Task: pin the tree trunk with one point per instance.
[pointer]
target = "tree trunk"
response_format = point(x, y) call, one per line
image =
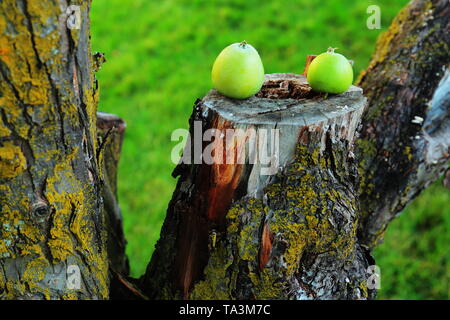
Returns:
point(53, 224)
point(405, 138)
point(239, 231)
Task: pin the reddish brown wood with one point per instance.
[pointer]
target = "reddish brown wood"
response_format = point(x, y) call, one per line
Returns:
point(309, 59)
point(266, 246)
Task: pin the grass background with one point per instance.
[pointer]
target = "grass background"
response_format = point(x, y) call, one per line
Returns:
point(159, 57)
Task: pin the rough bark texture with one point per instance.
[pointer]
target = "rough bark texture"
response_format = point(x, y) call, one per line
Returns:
point(232, 233)
point(285, 238)
point(51, 176)
point(405, 138)
point(303, 233)
point(111, 131)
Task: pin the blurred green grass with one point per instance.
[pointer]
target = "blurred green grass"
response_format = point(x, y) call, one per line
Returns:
point(414, 258)
point(159, 56)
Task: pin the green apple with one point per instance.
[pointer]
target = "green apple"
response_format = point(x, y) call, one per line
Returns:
point(330, 72)
point(238, 71)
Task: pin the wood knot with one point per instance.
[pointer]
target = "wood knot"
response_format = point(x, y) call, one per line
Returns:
point(40, 211)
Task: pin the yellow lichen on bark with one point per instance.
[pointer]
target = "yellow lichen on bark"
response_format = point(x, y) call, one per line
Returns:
point(399, 27)
point(302, 224)
point(12, 160)
point(43, 155)
point(73, 227)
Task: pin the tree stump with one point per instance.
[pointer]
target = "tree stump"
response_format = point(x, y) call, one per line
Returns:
point(110, 133)
point(278, 229)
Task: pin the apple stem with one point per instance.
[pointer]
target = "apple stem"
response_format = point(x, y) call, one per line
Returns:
point(331, 50)
point(243, 44)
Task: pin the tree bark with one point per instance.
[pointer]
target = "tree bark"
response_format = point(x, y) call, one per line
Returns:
point(111, 130)
point(233, 232)
point(52, 220)
point(405, 138)
point(403, 146)
point(304, 232)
